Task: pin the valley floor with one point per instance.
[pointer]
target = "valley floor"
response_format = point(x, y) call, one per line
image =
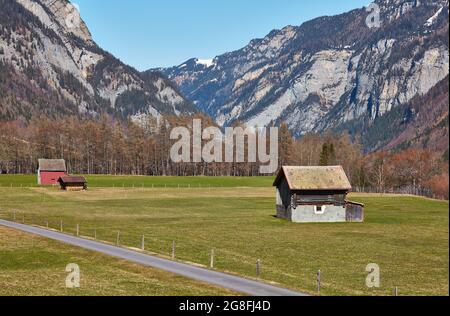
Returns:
point(406, 236)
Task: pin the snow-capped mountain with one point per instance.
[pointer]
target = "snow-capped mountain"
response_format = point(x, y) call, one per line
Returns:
point(328, 72)
point(50, 65)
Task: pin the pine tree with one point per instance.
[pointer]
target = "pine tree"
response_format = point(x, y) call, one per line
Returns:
point(285, 145)
point(331, 154)
point(328, 154)
point(324, 155)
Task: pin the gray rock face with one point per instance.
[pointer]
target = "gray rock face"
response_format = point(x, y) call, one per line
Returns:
point(48, 37)
point(326, 72)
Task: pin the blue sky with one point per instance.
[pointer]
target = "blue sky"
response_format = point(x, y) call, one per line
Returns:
point(149, 33)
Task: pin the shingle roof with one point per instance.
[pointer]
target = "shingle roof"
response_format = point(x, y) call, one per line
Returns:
point(314, 178)
point(72, 180)
point(52, 165)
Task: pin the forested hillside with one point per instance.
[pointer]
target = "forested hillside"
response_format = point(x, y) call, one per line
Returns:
point(420, 123)
point(50, 66)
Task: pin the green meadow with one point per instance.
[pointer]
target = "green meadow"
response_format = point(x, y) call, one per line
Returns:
point(35, 266)
point(406, 236)
point(101, 181)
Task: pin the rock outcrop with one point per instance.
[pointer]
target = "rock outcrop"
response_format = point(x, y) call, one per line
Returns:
point(51, 65)
point(328, 72)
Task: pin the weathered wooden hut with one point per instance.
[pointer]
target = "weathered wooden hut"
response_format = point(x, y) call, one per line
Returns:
point(315, 195)
point(50, 170)
point(72, 183)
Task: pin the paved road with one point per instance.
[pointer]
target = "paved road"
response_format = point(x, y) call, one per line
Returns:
point(227, 281)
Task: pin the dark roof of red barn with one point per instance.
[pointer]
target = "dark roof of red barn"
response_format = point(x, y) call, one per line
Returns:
point(72, 180)
point(52, 165)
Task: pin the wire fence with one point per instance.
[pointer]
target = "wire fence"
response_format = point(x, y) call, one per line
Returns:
point(18, 185)
point(257, 264)
point(124, 186)
point(406, 190)
point(197, 252)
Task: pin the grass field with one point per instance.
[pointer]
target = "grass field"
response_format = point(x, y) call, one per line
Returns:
point(99, 181)
point(30, 265)
point(406, 236)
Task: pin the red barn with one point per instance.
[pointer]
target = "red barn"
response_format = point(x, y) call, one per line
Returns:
point(50, 170)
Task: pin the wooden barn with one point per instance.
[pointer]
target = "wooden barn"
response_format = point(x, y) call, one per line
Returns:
point(315, 195)
point(50, 170)
point(73, 183)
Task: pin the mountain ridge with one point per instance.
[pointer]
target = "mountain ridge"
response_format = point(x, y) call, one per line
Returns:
point(49, 60)
point(326, 72)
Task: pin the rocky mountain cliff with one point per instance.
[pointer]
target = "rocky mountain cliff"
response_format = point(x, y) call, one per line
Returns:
point(420, 123)
point(327, 73)
point(430, 126)
point(50, 65)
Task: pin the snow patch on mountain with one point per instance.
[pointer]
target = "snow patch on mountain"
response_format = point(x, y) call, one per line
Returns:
point(205, 62)
point(433, 19)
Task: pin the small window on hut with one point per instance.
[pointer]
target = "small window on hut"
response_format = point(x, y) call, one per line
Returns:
point(319, 210)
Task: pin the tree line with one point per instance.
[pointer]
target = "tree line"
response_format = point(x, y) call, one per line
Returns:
point(109, 146)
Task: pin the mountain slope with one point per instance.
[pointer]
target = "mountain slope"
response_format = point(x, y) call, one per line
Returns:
point(421, 123)
point(433, 108)
point(50, 65)
point(326, 72)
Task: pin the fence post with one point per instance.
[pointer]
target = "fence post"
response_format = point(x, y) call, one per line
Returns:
point(14, 216)
point(118, 239)
point(211, 265)
point(78, 230)
point(258, 268)
point(143, 243)
point(173, 250)
point(319, 281)
point(61, 227)
point(95, 234)
point(396, 291)
point(46, 224)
